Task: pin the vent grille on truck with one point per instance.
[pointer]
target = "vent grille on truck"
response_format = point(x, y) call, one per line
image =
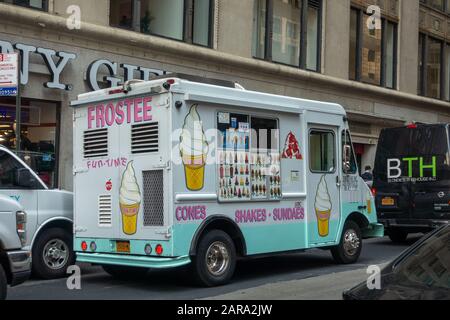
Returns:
point(153, 198)
point(95, 143)
point(145, 138)
point(104, 210)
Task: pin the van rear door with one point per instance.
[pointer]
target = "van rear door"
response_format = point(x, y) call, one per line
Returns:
point(393, 198)
point(431, 187)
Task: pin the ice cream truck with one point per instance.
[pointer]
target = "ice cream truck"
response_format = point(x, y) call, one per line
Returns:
point(184, 170)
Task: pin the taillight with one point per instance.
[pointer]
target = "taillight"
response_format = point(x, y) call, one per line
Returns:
point(374, 191)
point(148, 249)
point(21, 221)
point(412, 126)
point(116, 91)
point(84, 246)
point(93, 246)
point(159, 250)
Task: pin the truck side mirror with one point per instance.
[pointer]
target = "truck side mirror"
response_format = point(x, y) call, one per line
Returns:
point(24, 178)
point(346, 158)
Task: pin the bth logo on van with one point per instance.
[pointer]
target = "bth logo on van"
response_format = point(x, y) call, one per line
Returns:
point(427, 171)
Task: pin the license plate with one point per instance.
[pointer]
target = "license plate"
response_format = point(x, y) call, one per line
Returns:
point(123, 246)
point(387, 201)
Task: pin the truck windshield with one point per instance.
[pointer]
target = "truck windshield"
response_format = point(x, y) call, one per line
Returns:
point(43, 164)
point(428, 265)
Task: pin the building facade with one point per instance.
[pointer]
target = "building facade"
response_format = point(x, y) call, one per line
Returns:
point(386, 61)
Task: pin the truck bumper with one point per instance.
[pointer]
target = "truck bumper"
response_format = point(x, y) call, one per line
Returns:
point(133, 261)
point(413, 224)
point(374, 230)
point(20, 266)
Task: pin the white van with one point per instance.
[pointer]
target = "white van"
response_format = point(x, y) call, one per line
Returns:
point(49, 228)
point(174, 171)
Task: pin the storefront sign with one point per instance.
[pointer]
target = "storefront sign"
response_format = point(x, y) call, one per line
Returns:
point(57, 61)
point(8, 74)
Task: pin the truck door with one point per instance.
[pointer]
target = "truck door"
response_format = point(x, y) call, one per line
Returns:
point(393, 196)
point(146, 147)
point(353, 195)
point(25, 195)
point(324, 208)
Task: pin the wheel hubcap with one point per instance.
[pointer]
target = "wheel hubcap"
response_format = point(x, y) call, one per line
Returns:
point(351, 242)
point(55, 254)
point(217, 258)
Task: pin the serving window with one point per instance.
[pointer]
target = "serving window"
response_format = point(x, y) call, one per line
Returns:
point(248, 158)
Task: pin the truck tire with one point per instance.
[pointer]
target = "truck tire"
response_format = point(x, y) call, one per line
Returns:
point(215, 261)
point(53, 254)
point(350, 246)
point(3, 284)
point(397, 235)
point(125, 273)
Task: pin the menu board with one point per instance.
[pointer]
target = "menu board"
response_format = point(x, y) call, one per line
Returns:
point(234, 166)
point(245, 171)
point(265, 175)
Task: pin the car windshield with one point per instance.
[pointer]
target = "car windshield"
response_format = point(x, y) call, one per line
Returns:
point(429, 264)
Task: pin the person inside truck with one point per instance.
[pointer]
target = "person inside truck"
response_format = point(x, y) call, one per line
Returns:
point(367, 175)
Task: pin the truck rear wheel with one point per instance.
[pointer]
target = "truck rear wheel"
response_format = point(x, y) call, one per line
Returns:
point(125, 273)
point(3, 283)
point(397, 235)
point(350, 246)
point(53, 254)
point(215, 261)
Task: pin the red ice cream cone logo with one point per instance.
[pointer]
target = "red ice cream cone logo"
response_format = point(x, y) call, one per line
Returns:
point(108, 185)
point(292, 148)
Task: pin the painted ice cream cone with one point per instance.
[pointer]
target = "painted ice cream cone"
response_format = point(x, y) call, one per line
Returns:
point(323, 222)
point(194, 170)
point(323, 208)
point(129, 200)
point(193, 150)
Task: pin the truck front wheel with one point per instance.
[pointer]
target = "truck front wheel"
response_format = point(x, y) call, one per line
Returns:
point(3, 283)
point(215, 260)
point(350, 246)
point(53, 253)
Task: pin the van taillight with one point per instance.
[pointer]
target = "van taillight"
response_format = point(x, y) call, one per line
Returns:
point(374, 191)
point(412, 126)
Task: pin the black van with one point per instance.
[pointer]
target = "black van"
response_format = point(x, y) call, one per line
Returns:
point(412, 179)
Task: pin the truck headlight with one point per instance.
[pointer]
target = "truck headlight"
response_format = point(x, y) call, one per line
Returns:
point(21, 221)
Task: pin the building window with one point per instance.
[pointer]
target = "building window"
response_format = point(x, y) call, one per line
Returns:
point(288, 32)
point(184, 20)
point(39, 136)
point(447, 72)
point(373, 52)
point(33, 4)
point(441, 5)
point(432, 65)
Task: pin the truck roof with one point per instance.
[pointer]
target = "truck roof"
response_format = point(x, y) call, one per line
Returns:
point(210, 92)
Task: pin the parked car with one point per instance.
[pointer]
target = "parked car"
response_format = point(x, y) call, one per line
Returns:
point(15, 262)
point(412, 179)
point(421, 273)
point(49, 214)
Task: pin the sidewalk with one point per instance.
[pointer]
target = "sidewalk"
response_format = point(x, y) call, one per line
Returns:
point(326, 287)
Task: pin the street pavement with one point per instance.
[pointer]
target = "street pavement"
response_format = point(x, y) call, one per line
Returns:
point(308, 275)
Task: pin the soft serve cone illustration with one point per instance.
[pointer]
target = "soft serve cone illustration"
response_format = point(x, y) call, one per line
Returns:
point(193, 150)
point(323, 207)
point(130, 200)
